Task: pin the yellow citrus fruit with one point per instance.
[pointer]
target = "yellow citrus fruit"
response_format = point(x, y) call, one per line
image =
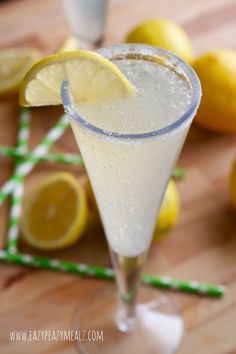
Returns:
point(169, 212)
point(164, 34)
point(14, 64)
point(217, 73)
point(56, 213)
point(69, 44)
point(92, 78)
point(233, 184)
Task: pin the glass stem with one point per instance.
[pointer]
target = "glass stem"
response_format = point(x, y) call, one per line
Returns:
point(128, 271)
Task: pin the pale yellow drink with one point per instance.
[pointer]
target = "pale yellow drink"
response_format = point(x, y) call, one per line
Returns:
point(129, 176)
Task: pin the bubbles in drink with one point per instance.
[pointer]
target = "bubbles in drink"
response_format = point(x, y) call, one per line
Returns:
point(129, 176)
point(160, 94)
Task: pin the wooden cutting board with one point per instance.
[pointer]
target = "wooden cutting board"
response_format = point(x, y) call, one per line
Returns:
point(203, 244)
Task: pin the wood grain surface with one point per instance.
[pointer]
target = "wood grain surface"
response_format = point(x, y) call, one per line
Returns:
point(203, 244)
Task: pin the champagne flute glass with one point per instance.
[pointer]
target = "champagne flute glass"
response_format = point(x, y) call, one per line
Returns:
point(130, 147)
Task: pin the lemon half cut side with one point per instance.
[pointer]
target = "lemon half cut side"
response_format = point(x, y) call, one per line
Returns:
point(56, 213)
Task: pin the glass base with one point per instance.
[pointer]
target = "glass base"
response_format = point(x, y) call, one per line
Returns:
point(158, 329)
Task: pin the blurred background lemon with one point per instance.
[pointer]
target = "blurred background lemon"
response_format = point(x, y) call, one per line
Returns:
point(217, 73)
point(165, 34)
point(232, 183)
point(14, 64)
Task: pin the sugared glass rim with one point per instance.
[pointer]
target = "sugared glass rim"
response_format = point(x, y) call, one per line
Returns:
point(123, 51)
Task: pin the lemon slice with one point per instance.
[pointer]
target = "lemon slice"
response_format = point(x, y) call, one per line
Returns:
point(56, 213)
point(92, 79)
point(14, 64)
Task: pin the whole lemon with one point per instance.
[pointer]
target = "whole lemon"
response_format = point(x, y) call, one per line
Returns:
point(217, 73)
point(164, 34)
point(232, 184)
point(169, 212)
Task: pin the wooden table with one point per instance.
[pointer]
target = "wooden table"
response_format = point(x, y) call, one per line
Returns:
point(203, 244)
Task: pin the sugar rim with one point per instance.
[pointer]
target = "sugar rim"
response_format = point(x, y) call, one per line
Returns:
point(123, 51)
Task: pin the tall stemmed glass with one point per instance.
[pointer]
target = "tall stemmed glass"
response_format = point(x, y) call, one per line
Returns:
point(129, 158)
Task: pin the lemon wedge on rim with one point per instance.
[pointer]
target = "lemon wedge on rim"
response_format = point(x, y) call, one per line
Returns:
point(92, 78)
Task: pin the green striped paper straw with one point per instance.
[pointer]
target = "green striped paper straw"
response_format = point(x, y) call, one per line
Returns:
point(73, 159)
point(23, 169)
point(162, 282)
point(17, 194)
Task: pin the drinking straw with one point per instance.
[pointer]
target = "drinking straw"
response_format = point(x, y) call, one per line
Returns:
point(179, 173)
point(25, 163)
point(73, 159)
point(82, 269)
point(23, 169)
point(17, 194)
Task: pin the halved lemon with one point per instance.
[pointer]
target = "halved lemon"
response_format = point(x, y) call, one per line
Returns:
point(56, 213)
point(14, 64)
point(92, 79)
